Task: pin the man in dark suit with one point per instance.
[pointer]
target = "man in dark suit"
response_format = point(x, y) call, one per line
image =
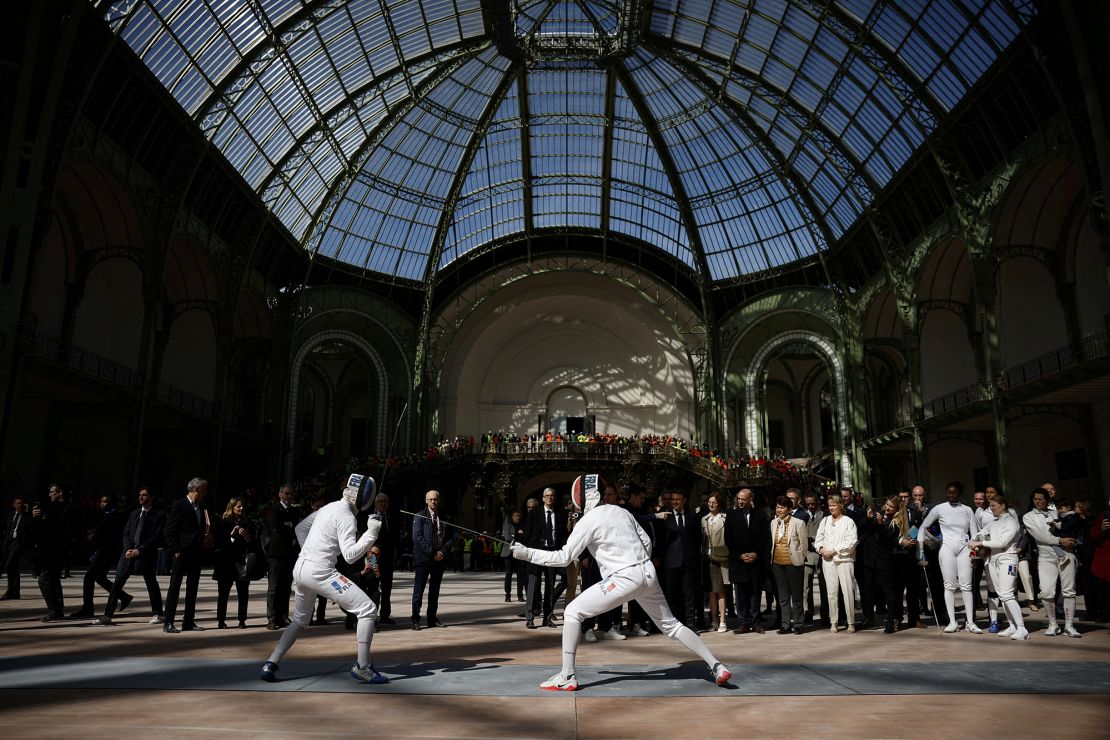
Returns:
point(678, 550)
point(545, 528)
point(105, 541)
point(53, 529)
point(16, 540)
point(142, 536)
point(380, 582)
point(431, 542)
point(281, 552)
point(747, 535)
point(187, 526)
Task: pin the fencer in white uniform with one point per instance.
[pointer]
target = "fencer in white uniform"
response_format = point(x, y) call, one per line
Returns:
point(332, 534)
point(1055, 561)
point(957, 527)
point(622, 551)
point(997, 541)
point(983, 517)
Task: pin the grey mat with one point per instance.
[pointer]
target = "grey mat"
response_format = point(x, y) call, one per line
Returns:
point(493, 679)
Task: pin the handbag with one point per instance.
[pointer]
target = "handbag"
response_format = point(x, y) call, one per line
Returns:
point(252, 568)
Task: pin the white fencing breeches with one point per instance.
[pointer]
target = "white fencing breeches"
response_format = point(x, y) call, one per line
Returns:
point(1052, 567)
point(955, 568)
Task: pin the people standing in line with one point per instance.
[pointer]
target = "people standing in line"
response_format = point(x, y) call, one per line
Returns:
point(17, 540)
point(142, 536)
point(997, 543)
point(237, 544)
point(544, 529)
point(1056, 561)
point(431, 541)
point(957, 527)
point(903, 574)
point(716, 556)
point(105, 542)
point(52, 534)
point(788, 553)
point(813, 567)
point(746, 536)
point(188, 530)
point(836, 544)
point(281, 553)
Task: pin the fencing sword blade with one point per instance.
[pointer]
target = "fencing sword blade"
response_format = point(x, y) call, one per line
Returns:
point(459, 526)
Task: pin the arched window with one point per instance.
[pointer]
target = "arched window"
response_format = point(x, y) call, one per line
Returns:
point(566, 410)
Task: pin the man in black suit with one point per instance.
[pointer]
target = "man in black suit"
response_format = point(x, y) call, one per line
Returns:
point(187, 527)
point(281, 552)
point(382, 565)
point(142, 535)
point(544, 529)
point(53, 534)
point(747, 535)
point(678, 551)
point(16, 540)
point(431, 542)
point(105, 541)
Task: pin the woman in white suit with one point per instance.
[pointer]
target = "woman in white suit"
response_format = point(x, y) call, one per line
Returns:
point(836, 544)
point(788, 557)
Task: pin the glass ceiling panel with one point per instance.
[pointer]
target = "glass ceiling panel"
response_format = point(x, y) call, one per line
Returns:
point(831, 96)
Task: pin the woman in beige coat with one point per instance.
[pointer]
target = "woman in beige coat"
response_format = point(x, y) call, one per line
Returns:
point(788, 557)
point(716, 555)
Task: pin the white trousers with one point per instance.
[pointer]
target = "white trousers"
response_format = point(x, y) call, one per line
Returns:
point(1052, 567)
point(312, 579)
point(1002, 575)
point(955, 567)
point(840, 579)
point(637, 582)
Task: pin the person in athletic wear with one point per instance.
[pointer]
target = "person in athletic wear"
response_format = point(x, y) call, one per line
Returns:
point(957, 527)
point(997, 542)
point(622, 551)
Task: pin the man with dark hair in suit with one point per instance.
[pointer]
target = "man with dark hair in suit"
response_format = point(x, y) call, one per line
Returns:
point(544, 529)
point(52, 533)
point(187, 527)
point(678, 552)
point(380, 577)
point(16, 540)
point(747, 535)
point(431, 541)
point(281, 552)
point(142, 536)
point(105, 542)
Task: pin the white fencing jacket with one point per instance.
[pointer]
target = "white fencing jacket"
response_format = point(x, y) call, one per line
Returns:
point(332, 534)
point(612, 535)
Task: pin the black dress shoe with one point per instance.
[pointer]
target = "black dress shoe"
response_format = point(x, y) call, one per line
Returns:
point(416, 625)
point(273, 626)
point(783, 631)
point(194, 627)
point(890, 629)
point(518, 597)
point(125, 602)
point(758, 629)
point(547, 622)
point(53, 618)
point(530, 624)
point(242, 625)
point(170, 629)
point(436, 623)
point(386, 620)
point(221, 626)
point(508, 598)
point(15, 597)
point(797, 630)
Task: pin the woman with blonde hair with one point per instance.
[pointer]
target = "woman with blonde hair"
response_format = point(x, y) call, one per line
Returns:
point(716, 556)
point(998, 542)
point(236, 538)
point(836, 544)
point(903, 575)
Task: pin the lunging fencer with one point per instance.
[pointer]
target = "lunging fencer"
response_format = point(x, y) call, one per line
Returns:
point(998, 541)
point(957, 527)
point(622, 551)
point(332, 534)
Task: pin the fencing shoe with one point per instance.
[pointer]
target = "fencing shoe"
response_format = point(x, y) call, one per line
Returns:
point(269, 672)
point(559, 682)
point(721, 674)
point(367, 674)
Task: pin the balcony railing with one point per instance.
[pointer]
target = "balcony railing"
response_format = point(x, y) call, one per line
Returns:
point(951, 401)
point(1093, 347)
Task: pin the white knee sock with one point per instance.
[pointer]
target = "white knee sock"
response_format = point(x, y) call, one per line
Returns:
point(572, 633)
point(1050, 611)
point(969, 605)
point(950, 604)
point(687, 637)
point(288, 637)
point(365, 635)
point(1069, 610)
point(1013, 611)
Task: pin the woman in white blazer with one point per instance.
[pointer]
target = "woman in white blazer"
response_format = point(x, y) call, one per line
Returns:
point(788, 558)
point(836, 544)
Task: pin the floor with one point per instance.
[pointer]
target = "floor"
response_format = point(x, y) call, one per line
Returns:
point(479, 677)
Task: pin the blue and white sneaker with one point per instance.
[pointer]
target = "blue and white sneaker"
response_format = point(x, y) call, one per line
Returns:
point(367, 674)
point(269, 672)
point(994, 629)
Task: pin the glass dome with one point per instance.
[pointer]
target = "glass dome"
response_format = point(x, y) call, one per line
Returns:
point(399, 136)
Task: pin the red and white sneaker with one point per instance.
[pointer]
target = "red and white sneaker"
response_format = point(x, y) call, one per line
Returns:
point(721, 674)
point(559, 682)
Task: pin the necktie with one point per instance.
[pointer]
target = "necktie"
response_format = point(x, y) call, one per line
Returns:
point(549, 531)
point(681, 521)
point(15, 525)
point(139, 528)
point(439, 532)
